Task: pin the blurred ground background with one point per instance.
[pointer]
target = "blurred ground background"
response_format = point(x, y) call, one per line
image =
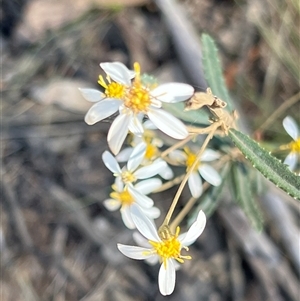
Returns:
point(57, 241)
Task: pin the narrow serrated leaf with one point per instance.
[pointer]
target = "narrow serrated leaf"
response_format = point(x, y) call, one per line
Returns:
point(213, 70)
point(243, 194)
point(258, 182)
point(270, 167)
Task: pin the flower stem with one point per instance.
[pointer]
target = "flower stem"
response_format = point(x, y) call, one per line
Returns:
point(177, 145)
point(213, 127)
point(193, 132)
point(169, 184)
point(186, 209)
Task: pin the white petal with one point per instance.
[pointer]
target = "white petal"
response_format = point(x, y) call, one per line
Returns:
point(167, 278)
point(118, 132)
point(112, 204)
point(209, 155)
point(131, 72)
point(140, 198)
point(148, 186)
point(173, 92)
point(136, 156)
point(126, 217)
point(155, 103)
point(210, 174)
point(119, 183)
point(124, 154)
point(152, 260)
point(145, 226)
point(136, 140)
point(117, 72)
point(136, 127)
point(291, 127)
point(177, 265)
point(178, 156)
point(149, 125)
point(111, 163)
point(195, 184)
point(195, 230)
point(101, 110)
point(150, 170)
point(141, 240)
point(167, 123)
point(158, 142)
point(291, 160)
point(152, 212)
point(167, 173)
point(135, 252)
point(92, 95)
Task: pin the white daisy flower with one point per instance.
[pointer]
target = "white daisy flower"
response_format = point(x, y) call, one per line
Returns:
point(133, 100)
point(206, 171)
point(292, 129)
point(131, 173)
point(165, 246)
point(141, 241)
point(123, 197)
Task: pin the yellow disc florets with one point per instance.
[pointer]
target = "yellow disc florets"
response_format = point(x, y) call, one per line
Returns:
point(124, 197)
point(128, 177)
point(191, 157)
point(151, 149)
point(112, 89)
point(295, 146)
point(137, 97)
point(169, 247)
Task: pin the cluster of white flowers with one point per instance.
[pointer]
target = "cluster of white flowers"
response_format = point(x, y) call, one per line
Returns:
point(141, 168)
point(126, 93)
point(125, 192)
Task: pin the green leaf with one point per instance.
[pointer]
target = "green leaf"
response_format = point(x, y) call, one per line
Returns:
point(258, 182)
point(213, 70)
point(199, 117)
point(269, 166)
point(242, 193)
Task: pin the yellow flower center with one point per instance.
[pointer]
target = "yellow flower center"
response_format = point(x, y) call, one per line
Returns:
point(191, 157)
point(151, 151)
point(137, 97)
point(124, 197)
point(112, 89)
point(169, 247)
point(128, 177)
point(295, 146)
